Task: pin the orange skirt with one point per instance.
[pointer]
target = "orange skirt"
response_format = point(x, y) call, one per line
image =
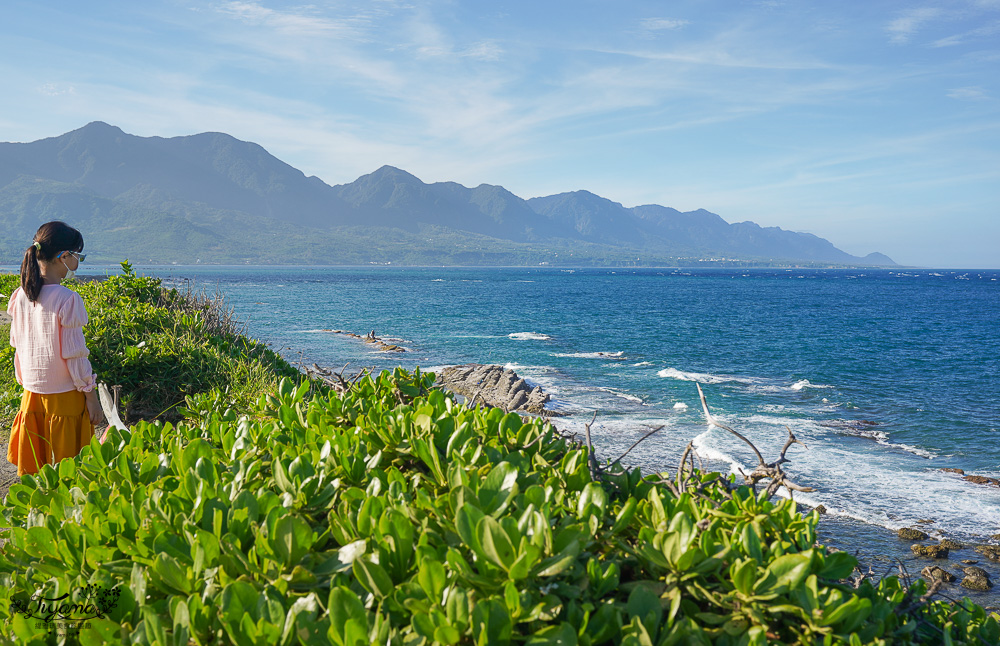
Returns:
point(47, 429)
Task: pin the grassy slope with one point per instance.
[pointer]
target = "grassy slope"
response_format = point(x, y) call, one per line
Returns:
point(391, 514)
point(160, 346)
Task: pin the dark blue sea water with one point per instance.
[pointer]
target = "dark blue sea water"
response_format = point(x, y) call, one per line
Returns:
point(886, 376)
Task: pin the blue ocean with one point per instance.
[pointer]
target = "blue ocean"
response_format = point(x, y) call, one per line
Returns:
point(886, 376)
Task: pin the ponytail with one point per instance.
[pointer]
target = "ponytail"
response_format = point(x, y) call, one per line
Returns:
point(31, 274)
point(51, 239)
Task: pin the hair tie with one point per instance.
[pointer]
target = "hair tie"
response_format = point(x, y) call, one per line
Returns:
point(37, 245)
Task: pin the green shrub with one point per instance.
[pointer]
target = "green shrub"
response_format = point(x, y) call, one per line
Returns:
point(391, 514)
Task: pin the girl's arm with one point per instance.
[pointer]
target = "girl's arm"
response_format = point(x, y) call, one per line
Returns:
point(73, 317)
point(12, 310)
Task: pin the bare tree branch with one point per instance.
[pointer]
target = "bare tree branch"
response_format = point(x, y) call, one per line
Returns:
point(595, 470)
point(618, 459)
point(764, 470)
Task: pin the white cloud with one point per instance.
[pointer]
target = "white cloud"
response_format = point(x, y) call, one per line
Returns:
point(902, 28)
point(54, 89)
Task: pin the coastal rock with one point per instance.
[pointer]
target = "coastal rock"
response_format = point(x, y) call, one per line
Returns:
point(977, 582)
point(494, 386)
point(910, 534)
point(925, 521)
point(370, 338)
point(820, 509)
point(951, 545)
point(975, 571)
point(983, 480)
point(932, 572)
point(930, 551)
point(960, 472)
point(992, 552)
point(969, 561)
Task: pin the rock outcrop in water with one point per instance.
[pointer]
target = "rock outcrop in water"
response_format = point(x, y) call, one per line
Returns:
point(976, 579)
point(371, 338)
point(910, 534)
point(930, 551)
point(932, 572)
point(982, 480)
point(495, 386)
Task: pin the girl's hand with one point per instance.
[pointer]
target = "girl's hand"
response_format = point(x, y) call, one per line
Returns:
point(94, 408)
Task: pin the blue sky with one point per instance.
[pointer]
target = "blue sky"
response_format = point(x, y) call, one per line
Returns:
point(873, 124)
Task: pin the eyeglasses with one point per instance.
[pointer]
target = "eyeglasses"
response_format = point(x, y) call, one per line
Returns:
point(80, 257)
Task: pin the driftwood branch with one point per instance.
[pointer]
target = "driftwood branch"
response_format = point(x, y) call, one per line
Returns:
point(764, 470)
point(336, 380)
point(595, 470)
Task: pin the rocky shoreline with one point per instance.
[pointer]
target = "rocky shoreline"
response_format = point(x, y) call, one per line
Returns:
point(494, 386)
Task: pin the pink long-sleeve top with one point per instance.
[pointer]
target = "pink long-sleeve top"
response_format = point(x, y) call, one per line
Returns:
point(51, 353)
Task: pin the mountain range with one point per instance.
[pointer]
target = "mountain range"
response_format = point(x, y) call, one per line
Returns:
point(212, 198)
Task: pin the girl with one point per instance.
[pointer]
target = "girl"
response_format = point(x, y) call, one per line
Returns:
point(59, 406)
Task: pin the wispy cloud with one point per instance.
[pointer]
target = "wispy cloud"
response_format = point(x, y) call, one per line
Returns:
point(905, 26)
point(304, 21)
point(990, 29)
point(484, 51)
point(662, 24)
point(971, 93)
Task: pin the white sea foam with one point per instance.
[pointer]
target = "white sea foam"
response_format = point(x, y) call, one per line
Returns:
point(704, 448)
point(680, 406)
point(623, 395)
point(529, 336)
point(437, 280)
point(700, 377)
point(804, 383)
point(641, 364)
point(589, 355)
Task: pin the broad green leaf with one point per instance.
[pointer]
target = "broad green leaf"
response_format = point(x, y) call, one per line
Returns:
point(495, 543)
point(593, 494)
point(372, 576)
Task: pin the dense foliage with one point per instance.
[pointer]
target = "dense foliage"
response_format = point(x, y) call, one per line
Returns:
point(391, 514)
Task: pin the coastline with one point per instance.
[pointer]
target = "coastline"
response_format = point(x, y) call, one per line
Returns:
point(874, 544)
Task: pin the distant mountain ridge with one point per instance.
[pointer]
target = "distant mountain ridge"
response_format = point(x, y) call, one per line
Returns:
point(213, 198)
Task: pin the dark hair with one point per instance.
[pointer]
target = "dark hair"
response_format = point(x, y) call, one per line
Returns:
point(51, 239)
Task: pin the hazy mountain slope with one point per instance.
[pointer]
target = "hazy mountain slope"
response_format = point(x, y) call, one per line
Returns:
point(218, 199)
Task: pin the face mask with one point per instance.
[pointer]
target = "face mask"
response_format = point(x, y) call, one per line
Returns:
point(70, 274)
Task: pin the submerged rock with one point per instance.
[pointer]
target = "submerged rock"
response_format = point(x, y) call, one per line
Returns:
point(932, 572)
point(992, 552)
point(494, 386)
point(930, 551)
point(911, 534)
point(951, 545)
point(960, 472)
point(983, 480)
point(975, 571)
point(977, 582)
